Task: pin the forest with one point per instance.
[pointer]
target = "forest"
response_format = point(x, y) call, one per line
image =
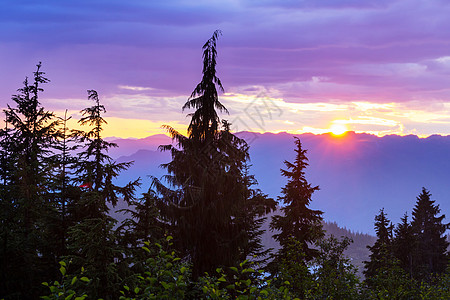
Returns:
point(196, 232)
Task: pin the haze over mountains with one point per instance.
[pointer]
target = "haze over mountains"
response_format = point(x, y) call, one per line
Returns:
point(358, 174)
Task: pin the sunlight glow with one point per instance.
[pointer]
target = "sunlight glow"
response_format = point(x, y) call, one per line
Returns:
point(139, 115)
point(127, 128)
point(338, 129)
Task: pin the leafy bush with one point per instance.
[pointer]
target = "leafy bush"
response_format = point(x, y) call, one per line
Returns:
point(68, 286)
point(165, 276)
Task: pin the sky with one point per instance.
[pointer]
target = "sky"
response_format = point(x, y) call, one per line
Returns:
point(381, 67)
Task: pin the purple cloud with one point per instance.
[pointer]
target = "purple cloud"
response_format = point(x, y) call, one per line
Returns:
point(376, 51)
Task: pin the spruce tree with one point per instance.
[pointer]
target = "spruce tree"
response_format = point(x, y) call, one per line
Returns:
point(63, 191)
point(403, 245)
point(7, 217)
point(430, 254)
point(297, 221)
point(26, 203)
point(334, 275)
point(209, 205)
point(381, 256)
point(93, 242)
point(204, 99)
point(144, 224)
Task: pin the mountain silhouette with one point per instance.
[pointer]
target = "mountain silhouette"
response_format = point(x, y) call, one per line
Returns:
point(358, 174)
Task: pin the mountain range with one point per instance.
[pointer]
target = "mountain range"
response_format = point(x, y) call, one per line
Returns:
point(358, 173)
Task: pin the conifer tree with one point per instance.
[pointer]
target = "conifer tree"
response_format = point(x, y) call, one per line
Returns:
point(5, 153)
point(26, 203)
point(430, 254)
point(381, 256)
point(403, 245)
point(204, 99)
point(63, 192)
point(297, 221)
point(92, 240)
point(144, 224)
point(209, 185)
point(7, 217)
point(335, 276)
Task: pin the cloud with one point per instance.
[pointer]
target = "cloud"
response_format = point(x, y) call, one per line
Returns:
point(300, 52)
point(135, 88)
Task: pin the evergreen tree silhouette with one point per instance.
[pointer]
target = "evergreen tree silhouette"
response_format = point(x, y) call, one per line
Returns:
point(209, 185)
point(430, 255)
point(204, 99)
point(403, 245)
point(381, 256)
point(93, 242)
point(63, 191)
point(297, 221)
point(142, 225)
point(26, 202)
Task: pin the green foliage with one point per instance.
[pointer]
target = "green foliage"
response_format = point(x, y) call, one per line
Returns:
point(389, 282)
point(92, 244)
point(438, 289)
point(330, 276)
point(334, 277)
point(164, 275)
point(241, 282)
point(294, 269)
point(68, 288)
point(392, 282)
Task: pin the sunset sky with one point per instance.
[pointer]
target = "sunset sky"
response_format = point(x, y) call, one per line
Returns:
point(379, 66)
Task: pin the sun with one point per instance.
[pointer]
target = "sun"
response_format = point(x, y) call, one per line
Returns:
point(338, 129)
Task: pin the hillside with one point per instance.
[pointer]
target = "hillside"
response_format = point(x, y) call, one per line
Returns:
point(357, 250)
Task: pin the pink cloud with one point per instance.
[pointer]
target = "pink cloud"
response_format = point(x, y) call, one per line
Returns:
point(379, 51)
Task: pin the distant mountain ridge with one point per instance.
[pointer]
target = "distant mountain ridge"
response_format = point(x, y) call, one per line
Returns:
point(358, 174)
point(128, 147)
point(357, 251)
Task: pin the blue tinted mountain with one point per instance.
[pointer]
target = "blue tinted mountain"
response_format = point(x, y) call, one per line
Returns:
point(358, 174)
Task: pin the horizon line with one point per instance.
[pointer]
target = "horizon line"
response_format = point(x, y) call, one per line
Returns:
point(349, 132)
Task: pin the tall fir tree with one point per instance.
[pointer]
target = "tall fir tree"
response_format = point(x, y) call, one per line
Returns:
point(8, 277)
point(381, 256)
point(209, 184)
point(27, 205)
point(93, 242)
point(144, 223)
point(63, 191)
point(204, 99)
point(297, 221)
point(430, 252)
point(403, 245)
